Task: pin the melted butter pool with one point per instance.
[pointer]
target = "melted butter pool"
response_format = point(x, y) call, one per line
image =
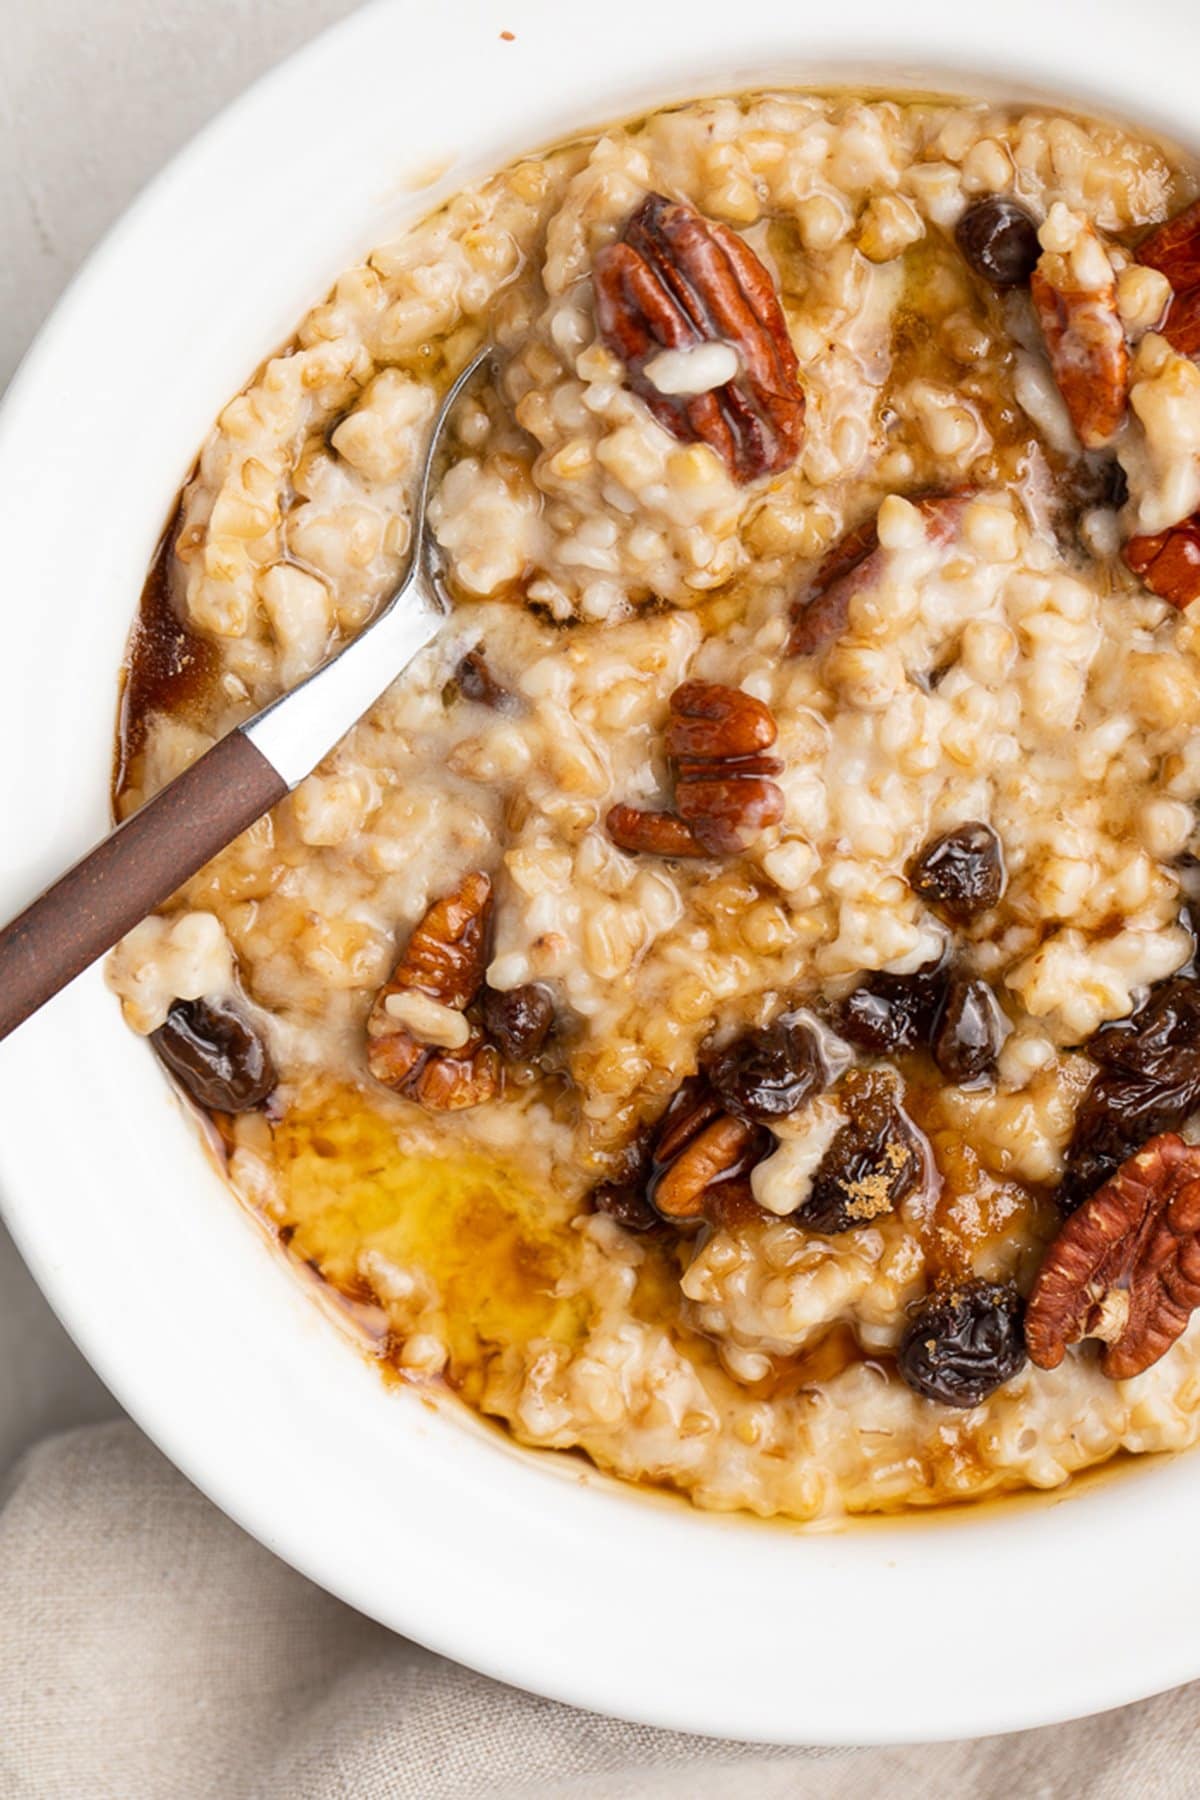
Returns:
point(495, 1249)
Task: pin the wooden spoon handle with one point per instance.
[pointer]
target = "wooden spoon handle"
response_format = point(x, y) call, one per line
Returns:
point(134, 870)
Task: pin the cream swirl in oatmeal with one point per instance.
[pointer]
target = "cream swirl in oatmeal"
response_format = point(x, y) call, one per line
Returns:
point(740, 967)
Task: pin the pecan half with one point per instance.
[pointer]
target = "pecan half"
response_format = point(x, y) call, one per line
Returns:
point(727, 805)
point(724, 793)
point(679, 1169)
point(655, 833)
point(1086, 344)
point(1169, 561)
point(692, 1107)
point(419, 1040)
point(1174, 250)
point(715, 1154)
point(450, 1081)
point(675, 281)
point(696, 1148)
point(1125, 1267)
point(1182, 326)
point(821, 613)
point(717, 723)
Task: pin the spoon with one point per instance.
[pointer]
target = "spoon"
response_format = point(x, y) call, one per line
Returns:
point(164, 843)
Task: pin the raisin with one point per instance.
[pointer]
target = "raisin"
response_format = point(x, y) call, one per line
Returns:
point(473, 679)
point(216, 1055)
point(966, 1340)
point(892, 1012)
point(961, 873)
point(1161, 1042)
point(519, 1020)
point(999, 240)
point(1115, 491)
point(970, 1031)
point(767, 1074)
point(874, 1162)
point(1149, 1082)
point(623, 1195)
point(627, 1204)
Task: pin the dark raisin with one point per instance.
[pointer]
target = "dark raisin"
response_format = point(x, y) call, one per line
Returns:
point(892, 1012)
point(627, 1205)
point(1161, 1042)
point(215, 1053)
point(999, 240)
point(965, 1341)
point(623, 1196)
point(519, 1020)
point(1115, 491)
point(1109, 1127)
point(970, 1031)
point(875, 1160)
point(765, 1075)
point(961, 873)
point(1149, 1082)
point(474, 681)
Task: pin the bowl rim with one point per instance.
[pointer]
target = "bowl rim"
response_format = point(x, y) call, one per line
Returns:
point(521, 1567)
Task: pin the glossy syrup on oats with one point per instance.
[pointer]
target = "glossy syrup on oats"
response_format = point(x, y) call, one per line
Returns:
point(930, 603)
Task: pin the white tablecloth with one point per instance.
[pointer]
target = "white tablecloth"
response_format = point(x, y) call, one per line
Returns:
point(148, 1649)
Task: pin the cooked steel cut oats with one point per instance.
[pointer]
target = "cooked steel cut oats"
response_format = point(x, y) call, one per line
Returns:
point(750, 953)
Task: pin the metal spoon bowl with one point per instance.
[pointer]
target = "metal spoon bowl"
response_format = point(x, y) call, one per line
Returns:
point(163, 844)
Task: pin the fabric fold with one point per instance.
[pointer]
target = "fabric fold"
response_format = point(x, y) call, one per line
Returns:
point(151, 1650)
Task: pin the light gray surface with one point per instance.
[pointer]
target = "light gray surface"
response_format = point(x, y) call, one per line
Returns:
point(95, 95)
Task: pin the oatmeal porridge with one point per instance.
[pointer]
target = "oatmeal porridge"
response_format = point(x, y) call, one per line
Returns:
point(732, 1008)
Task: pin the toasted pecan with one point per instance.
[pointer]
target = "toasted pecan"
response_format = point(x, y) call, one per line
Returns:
point(696, 1150)
point(713, 1155)
point(1085, 341)
point(1174, 250)
point(1125, 1267)
point(447, 952)
point(443, 961)
point(717, 723)
point(681, 1169)
point(675, 281)
point(1181, 328)
point(727, 805)
point(1168, 562)
point(725, 796)
point(651, 833)
point(821, 613)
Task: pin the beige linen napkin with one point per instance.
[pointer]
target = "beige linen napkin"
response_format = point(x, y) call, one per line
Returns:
point(150, 1650)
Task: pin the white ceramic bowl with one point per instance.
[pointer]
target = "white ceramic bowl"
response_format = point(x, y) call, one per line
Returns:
point(529, 1568)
